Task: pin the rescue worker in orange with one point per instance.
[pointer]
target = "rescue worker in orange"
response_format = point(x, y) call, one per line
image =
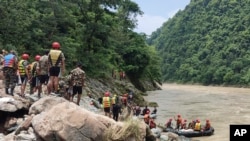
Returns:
point(197, 126)
point(10, 65)
point(152, 124)
point(178, 121)
point(147, 117)
point(106, 102)
point(207, 125)
point(56, 61)
point(169, 123)
point(125, 99)
point(23, 72)
point(184, 124)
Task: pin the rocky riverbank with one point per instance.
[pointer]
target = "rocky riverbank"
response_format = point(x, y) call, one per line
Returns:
point(31, 118)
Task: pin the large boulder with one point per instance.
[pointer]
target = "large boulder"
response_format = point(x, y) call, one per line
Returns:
point(11, 104)
point(45, 104)
point(67, 121)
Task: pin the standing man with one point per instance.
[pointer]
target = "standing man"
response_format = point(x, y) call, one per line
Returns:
point(56, 61)
point(23, 72)
point(35, 84)
point(44, 70)
point(77, 79)
point(9, 70)
point(106, 102)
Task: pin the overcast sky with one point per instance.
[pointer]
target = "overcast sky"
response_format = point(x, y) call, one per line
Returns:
point(156, 12)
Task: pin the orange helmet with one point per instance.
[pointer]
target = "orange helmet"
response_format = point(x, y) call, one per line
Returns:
point(56, 45)
point(106, 93)
point(25, 56)
point(37, 57)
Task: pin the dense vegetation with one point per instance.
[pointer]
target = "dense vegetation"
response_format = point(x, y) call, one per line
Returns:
point(98, 33)
point(207, 42)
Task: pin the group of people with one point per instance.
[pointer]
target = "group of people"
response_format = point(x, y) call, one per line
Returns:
point(111, 104)
point(46, 69)
point(182, 124)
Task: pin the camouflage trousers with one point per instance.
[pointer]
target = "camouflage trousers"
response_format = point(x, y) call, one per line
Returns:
point(10, 77)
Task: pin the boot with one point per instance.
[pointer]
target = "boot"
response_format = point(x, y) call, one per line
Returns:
point(12, 91)
point(7, 90)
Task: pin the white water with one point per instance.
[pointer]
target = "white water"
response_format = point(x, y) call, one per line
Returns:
point(221, 105)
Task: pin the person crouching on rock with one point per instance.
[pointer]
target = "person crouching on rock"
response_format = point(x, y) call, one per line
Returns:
point(106, 102)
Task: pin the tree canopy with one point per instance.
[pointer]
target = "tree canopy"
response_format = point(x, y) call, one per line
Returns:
point(99, 33)
point(208, 42)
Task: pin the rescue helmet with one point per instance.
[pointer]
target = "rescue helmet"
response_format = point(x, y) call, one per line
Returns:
point(56, 45)
point(25, 56)
point(37, 57)
point(106, 93)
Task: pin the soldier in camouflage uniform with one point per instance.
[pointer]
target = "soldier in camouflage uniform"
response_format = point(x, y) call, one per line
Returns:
point(77, 81)
point(9, 71)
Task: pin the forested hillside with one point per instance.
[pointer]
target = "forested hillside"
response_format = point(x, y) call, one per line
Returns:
point(98, 33)
point(208, 42)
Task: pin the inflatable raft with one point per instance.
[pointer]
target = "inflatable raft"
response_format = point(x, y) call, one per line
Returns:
point(190, 132)
point(153, 116)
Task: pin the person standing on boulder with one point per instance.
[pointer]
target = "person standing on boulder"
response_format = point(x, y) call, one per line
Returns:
point(56, 61)
point(35, 72)
point(23, 72)
point(106, 102)
point(116, 110)
point(44, 70)
point(77, 81)
point(9, 70)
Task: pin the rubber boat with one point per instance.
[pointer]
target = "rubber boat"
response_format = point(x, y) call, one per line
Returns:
point(153, 116)
point(190, 132)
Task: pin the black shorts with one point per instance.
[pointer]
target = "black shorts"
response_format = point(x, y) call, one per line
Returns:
point(54, 71)
point(35, 82)
point(44, 79)
point(107, 110)
point(24, 79)
point(77, 90)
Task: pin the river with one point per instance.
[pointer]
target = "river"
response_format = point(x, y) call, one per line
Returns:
point(221, 105)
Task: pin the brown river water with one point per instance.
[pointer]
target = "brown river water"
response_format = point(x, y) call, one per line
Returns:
point(221, 105)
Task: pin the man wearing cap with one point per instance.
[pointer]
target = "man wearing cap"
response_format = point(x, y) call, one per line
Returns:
point(77, 81)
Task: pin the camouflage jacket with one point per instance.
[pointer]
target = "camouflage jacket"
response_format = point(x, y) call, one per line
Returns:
point(77, 77)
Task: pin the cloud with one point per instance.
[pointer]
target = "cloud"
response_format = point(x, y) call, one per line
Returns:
point(149, 23)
